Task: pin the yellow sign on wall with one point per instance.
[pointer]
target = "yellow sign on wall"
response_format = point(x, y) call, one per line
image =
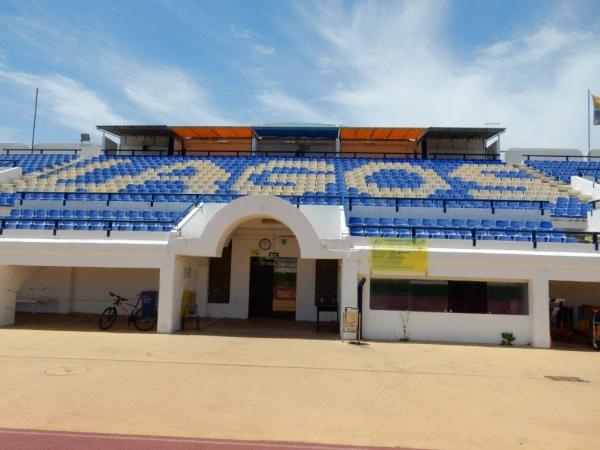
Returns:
point(399, 256)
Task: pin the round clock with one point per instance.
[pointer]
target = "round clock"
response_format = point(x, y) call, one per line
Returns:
point(264, 244)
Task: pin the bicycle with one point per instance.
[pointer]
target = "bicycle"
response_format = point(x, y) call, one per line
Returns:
point(135, 314)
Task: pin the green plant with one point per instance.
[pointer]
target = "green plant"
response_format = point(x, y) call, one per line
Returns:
point(508, 338)
point(405, 319)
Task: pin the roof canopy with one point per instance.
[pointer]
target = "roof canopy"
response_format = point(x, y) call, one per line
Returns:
point(303, 131)
point(207, 132)
point(463, 133)
point(296, 132)
point(136, 130)
point(377, 133)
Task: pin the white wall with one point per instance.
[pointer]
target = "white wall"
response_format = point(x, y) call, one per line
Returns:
point(9, 174)
point(445, 327)
point(586, 187)
point(84, 289)
point(11, 278)
point(576, 293)
point(458, 146)
point(206, 232)
point(494, 263)
point(516, 155)
point(243, 247)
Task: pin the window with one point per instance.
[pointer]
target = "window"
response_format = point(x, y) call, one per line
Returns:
point(467, 297)
point(414, 295)
point(429, 296)
point(219, 277)
point(507, 298)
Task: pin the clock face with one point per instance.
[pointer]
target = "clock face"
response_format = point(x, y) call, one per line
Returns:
point(264, 244)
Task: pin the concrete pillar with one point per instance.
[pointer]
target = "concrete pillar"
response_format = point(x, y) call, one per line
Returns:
point(337, 145)
point(11, 278)
point(171, 286)
point(166, 290)
point(305, 292)
point(348, 290)
point(539, 310)
point(202, 286)
point(254, 144)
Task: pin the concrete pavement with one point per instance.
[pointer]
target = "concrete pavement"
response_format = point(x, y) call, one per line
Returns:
point(298, 390)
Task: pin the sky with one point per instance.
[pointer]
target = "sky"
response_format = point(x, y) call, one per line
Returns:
point(525, 65)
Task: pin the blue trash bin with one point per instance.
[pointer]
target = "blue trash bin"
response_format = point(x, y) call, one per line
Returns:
point(149, 301)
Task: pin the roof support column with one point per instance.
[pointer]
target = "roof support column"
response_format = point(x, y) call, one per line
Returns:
point(539, 309)
point(254, 144)
point(348, 291)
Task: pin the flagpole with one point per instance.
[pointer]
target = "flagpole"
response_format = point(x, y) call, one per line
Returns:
point(34, 119)
point(588, 108)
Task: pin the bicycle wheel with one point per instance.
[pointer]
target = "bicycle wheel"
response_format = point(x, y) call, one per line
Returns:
point(141, 323)
point(107, 318)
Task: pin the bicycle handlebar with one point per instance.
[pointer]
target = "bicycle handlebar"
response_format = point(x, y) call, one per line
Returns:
point(118, 297)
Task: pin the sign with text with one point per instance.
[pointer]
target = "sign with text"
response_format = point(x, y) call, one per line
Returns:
point(284, 284)
point(350, 320)
point(399, 256)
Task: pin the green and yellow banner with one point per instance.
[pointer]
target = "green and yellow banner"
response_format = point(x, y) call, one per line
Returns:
point(395, 256)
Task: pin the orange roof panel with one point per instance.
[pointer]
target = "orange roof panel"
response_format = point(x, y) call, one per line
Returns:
point(378, 133)
point(213, 132)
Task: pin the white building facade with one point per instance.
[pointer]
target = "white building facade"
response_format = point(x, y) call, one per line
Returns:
point(75, 269)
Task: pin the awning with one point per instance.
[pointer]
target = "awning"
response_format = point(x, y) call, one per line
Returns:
point(296, 132)
point(463, 132)
point(136, 130)
point(378, 133)
point(211, 132)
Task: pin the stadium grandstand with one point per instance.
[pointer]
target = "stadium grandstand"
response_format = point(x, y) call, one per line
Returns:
point(424, 233)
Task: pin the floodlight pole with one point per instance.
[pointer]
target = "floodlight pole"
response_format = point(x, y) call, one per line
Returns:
point(589, 96)
point(34, 119)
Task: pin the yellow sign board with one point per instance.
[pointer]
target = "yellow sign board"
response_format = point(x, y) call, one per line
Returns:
point(399, 256)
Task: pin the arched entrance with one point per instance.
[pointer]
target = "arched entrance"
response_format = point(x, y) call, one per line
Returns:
point(263, 261)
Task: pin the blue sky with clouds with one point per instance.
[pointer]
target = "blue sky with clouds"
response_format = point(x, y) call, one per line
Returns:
point(525, 64)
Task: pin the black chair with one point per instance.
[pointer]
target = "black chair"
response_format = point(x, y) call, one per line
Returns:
point(327, 304)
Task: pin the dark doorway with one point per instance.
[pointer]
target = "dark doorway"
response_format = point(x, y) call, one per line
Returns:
point(467, 297)
point(326, 280)
point(261, 287)
point(272, 287)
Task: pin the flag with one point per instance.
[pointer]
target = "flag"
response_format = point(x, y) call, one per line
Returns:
point(596, 103)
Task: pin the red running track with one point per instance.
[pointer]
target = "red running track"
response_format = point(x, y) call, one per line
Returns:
point(62, 440)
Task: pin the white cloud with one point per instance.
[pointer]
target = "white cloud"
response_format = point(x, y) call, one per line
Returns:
point(64, 100)
point(389, 71)
point(167, 95)
point(263, 49)
point(280, 104)
point(240, 34)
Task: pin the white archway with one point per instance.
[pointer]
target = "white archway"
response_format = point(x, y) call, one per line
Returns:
point(225, 221)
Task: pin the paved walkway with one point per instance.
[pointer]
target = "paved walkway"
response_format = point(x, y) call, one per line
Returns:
point(298, 390)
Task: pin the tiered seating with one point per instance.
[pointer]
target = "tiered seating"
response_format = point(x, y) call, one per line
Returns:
point(182, 175)
point(34, 163)
point(92, 219)
point(485, 229)
point(564, 170)
point(453, 180)
point(401, 183)
point(309, 177)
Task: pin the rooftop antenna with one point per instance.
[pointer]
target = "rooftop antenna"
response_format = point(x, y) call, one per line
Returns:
point(34, 119)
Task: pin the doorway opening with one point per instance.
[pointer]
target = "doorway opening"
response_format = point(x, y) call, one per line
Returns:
point(272, 287)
